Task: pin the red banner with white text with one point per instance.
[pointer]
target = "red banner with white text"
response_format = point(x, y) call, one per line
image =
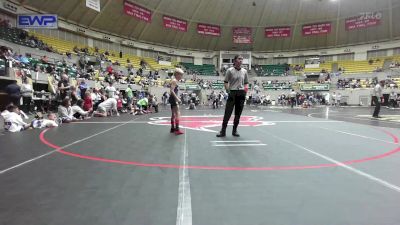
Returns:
point(137, 11)
point(277, 32)
point(317, 29)
point(210, 30)
point(242, 35)
point(363, 21)
point(175, 23)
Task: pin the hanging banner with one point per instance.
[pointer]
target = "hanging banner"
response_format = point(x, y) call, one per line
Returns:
point(93, 4)
point(175, 23)
point(210, 30)
point(219, 84)
point(364, 20)
point(242, 35)
point(315, 87)
point(277, 32)
point(189, 87)
point(317, 29)
point(137, 11)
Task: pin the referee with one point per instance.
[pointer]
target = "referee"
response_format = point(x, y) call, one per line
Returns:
point(377, 98)
point(236, 84)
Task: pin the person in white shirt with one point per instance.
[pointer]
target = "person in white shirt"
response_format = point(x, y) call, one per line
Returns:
point(65, 111)
point(214, 99)
point(108, 106)
point(377, 98)
point(27, 93)
point(327, 98)
point(292, 98)
point(268, 99)
point(256, 89)
point(393, 98)
point(12, 119)
point(338, 98)
point(96, 98)
point(110, 90)
point(51, 121)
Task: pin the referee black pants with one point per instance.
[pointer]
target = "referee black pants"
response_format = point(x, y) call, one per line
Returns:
point(377, 102)
point(235, 100)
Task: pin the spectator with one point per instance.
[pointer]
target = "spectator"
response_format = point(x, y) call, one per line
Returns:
point(78, 112)
point(153, 103)
point(12, 119)
point(108, 107)
point(370, 62)
point(88, 101)
point(44, 59)
point(23, 35)
point(110, 90)
point(129, 96)
point(109, 69)
point(120, 103)
point(64, 87)
point(14, 93)
point(338, 99)
point(76, 49)
point(142, 105)
point(74, 95)
point(27, 93)
point(51, 121)
point(23, 59)
point(393, 99)
point(83, 88)
point(65, 111)
point(96, 97)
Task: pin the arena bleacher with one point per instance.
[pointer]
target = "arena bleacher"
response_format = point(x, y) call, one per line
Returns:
point(205, 69)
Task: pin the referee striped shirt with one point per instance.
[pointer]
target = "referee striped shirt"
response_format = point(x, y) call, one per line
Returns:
point(236, 78)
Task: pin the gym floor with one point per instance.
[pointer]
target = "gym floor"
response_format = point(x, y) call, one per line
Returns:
point(328, 165)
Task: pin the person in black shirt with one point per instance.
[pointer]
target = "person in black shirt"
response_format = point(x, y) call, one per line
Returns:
point(63, 87)
point(14, 93)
